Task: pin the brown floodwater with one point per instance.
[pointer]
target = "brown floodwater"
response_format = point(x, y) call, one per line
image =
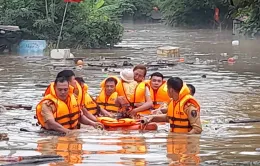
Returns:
point(229, 92)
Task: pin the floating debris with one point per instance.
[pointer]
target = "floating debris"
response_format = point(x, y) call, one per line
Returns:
point(76, 58)
point(16, 106)
point(127, 63)
point(114, 70)
point(127, 58)
point(29, 160)
point(169, 51)
point(103, 65)
point(4, 137)
point(245, 121)
point(167, 62)
point(231, 60)
point(42, 85)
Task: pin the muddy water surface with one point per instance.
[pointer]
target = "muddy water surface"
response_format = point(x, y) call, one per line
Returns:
point(229, 91)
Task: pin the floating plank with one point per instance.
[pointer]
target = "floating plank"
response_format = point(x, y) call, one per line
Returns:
point(102, 65)
point(15, 106)
point(76, 58)
point(42, 85)
point(127, 58)
point(245, 121)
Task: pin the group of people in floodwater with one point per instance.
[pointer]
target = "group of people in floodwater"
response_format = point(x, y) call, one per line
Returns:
point(67, 104)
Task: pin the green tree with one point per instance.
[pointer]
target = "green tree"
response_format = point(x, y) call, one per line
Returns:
point(249, 12)
point(87, 25)
point(196, 13)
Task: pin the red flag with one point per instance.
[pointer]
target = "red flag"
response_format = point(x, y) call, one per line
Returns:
point(73, 0)
point(216, 16)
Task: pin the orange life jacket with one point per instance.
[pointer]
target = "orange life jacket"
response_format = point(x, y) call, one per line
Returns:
point(90, 104)
point(84, 91)
point(177, 117)
point(102, 84)
point(159, 96)
point(107, 103)
point(111, 122)
point(80, 95)
point(137, 98)
point(50, 89)
point(66, 114)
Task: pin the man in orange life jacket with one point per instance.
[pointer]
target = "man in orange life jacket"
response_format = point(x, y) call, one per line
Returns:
point(107, 97)
point(89, 104)
point(183, 112)
point(158, 90)
point(59, 110)
point(74, 87)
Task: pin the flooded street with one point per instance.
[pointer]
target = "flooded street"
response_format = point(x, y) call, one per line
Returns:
point(229, 92)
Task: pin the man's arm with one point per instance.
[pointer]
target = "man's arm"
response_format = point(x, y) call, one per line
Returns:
point(47, 114)
point(89, 115)
point(194, 118)
point(156, 118)
point(51, 124)
point(84, 120)
point(105, 112)
point(159, 118)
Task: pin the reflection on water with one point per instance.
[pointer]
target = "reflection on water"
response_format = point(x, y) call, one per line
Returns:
point(68, 147)
point(229, 91)
point(183, 150)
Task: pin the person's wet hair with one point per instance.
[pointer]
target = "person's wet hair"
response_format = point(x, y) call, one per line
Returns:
point(79, 80)
point(141, 67)
point(192, 89)
point(66, 73)
point(175, 83)
point(111, 79)
point(60, 79)
point(157, 74)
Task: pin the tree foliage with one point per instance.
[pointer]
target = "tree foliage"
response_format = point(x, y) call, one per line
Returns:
point(249, 12)
point(192, 12)
point(88, 24)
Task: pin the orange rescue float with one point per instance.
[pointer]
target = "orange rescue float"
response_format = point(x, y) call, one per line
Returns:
point(112, 124)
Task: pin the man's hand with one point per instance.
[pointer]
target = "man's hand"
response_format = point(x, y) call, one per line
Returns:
point(108, 114)
point(97, 125)
point(132, 112)
point(156, 111)
point(105, 113)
